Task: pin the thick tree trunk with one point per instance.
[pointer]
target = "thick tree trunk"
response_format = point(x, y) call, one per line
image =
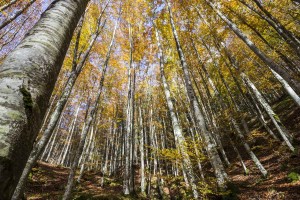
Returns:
point(39, 147)
point(27, 78)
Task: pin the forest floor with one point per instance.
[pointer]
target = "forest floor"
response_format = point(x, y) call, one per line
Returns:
point(48, 181)
point(275, 157)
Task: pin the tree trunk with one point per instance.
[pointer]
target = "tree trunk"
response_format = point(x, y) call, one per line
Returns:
point(294, 83)
point(248, 149)
point(39, 147)
point(213, 156)
point(17, 14)
point(86, 154)
point(49, 152)
point(91, 114)
point(27, 79)
point(8, 5)
point(143, 189)
point(275, 119)
point(246, 171)
point(187, 165)
point(287, 88)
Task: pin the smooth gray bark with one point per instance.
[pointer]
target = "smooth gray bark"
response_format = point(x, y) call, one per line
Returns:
point(27, 78)
point(142, 159)
point(287, 88)
point(261, 117)
point(128, 183)
point(59, 107)
point(71, 132)
point(49, 151)
point(86, 154)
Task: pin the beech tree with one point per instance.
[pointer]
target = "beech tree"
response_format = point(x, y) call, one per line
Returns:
point(26, 90)
point(195, 107)
point(160, 99)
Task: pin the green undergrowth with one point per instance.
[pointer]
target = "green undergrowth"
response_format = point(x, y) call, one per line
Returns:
point(293, 177)
point(293, 174)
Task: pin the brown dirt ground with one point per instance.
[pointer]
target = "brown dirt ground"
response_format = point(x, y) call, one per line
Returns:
point(277, 160)
point(48, 181)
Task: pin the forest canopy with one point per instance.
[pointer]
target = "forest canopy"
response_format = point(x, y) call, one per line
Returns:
point(163, 99)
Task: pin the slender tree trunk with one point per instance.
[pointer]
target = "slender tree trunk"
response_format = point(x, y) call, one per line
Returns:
point(246, 171)
point(261, 117)
point(68, 146)
point(187, 165)
point(17, 14)
point(259, 112)
point(8, 5)
point(133, 137)
point(142, 150)
point(128, 184)
point(287, 88)
point(52, 142)
point(105, 160)
point(86, 154)
point(197, 154)
point(88, 121)
point(248, 149)
point(294, 83)
point(275, 119)
point(214, 158)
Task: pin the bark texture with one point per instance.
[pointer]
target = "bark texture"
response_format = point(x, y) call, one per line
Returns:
point(27, 79)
